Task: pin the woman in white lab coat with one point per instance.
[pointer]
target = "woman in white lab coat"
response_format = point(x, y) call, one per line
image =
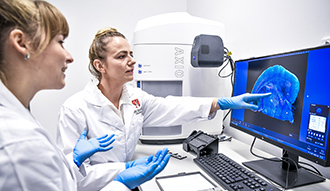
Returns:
point(110, 104)
point(32, 58)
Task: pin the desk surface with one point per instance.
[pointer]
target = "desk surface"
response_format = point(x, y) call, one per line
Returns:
point(235, 149)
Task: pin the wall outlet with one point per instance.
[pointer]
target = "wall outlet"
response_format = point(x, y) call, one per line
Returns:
point(325, 40)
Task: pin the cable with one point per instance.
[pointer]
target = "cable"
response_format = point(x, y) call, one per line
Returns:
point(288, 171)
point(227, 60)
point(283, 159)
point(315, 169)
point(226, 76)
point(223, 121)
point(225, 139)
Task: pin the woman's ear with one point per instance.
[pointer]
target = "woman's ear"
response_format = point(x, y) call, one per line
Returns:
point(19, 41)
point(98, 64)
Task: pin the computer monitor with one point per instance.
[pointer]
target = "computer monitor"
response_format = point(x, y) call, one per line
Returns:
point(296, 115)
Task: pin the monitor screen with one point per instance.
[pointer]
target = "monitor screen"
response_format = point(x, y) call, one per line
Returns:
point(296, 115)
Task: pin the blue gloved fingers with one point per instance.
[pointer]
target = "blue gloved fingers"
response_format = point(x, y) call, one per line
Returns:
point(155, 158)
point(102, 149)
point(150, 158)
point(148, 170)
point(83, 135)
point(160, 155)
point(249, 106)
point(251, 97)
point(137, 175)
point(161, 159)
point(241, 101)
point(140, 161)
point(161, 165)
point(102, 137)
point(86, 148)
point(105, 143)
point(105, 138)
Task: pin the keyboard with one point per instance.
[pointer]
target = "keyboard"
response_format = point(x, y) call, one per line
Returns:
point(231, 175)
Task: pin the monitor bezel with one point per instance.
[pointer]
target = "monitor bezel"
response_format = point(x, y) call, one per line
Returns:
point(326, 162)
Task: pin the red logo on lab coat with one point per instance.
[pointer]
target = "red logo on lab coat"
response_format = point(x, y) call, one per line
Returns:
point(136, 103)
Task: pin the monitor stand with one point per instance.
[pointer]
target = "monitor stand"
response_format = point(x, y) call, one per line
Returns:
point(277, 172)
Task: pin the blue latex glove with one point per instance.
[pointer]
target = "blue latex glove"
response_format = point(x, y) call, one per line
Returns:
point(140, 161)
point(161, 158)
point(86, 148)
point(240, 102)
point(138, 174)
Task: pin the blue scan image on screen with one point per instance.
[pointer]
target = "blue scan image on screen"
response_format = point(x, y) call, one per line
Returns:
point(284, 87)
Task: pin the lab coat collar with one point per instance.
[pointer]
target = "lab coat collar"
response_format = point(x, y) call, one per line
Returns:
point(91, 92)
point(126, 94)
point(9, 100)
point(94, 95)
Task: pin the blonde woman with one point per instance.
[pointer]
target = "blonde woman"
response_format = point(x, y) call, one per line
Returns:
point(33, 58)
point(110, 104)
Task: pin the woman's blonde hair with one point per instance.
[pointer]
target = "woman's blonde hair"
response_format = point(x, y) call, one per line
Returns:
point(38, 19)
point(98, 48)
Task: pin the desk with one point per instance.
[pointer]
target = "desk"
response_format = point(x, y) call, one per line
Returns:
point(235, 149)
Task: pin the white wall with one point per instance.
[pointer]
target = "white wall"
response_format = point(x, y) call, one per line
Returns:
point(85, 18)
point(259, 27)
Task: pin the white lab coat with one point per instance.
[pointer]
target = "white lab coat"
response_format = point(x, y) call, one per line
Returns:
point(30, 160)
point(90, 109)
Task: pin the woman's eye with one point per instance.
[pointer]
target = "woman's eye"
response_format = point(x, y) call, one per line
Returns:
point(122, 56)
point(61, 42)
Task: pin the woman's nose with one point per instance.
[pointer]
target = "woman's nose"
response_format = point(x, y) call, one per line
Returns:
point(69, 58)
point(132, 62)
